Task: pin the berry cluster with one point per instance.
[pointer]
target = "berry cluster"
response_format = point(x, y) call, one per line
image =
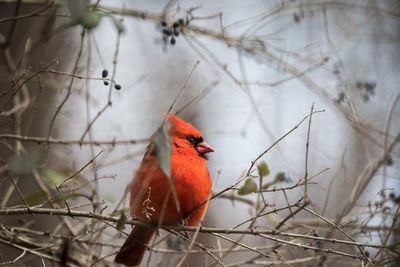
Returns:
point(367, 89)
point(170, 33)
point(104, 74)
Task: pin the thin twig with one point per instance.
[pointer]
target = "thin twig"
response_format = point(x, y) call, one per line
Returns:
point(80, 170)
point(292, 214)
point(307, 148)
point(60, 141)
point(28, 15)
point(102, 217)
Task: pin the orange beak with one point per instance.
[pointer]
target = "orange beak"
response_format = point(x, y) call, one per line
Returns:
point(204, 148)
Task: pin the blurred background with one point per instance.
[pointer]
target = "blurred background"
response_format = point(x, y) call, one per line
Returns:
point(252, 73)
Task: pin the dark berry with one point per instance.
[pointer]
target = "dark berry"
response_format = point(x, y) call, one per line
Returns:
point(117, 86)
point(106, 83)
point(173, 40)
point(178, 23)
point(370, 87)
point(389, 160)
point(163, 23)
point(176, 32)
point(104, 73)
point(340, 97)
point(167, 31)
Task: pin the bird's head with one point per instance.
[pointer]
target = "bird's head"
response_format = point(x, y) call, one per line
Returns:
point(186, 137)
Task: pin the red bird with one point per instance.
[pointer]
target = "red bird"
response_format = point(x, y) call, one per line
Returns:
point(151, 197)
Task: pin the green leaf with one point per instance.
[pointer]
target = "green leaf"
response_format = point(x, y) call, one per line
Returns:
point(91, 20)
point(36, 198)
point(80, 14)
point(263, 169)
point(279, 177)
point(163, 145)
point(78, 10)
point(249, 187)
point(52, 177)
point(24, 163)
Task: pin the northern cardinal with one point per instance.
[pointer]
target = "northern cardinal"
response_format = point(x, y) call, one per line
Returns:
point(151, 199)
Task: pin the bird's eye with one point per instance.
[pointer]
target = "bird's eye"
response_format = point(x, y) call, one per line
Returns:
point(192, 140)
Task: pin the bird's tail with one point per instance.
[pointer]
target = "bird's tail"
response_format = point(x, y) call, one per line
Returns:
point(132, 251)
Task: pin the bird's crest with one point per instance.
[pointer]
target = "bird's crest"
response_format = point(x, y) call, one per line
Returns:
point(180, 128)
